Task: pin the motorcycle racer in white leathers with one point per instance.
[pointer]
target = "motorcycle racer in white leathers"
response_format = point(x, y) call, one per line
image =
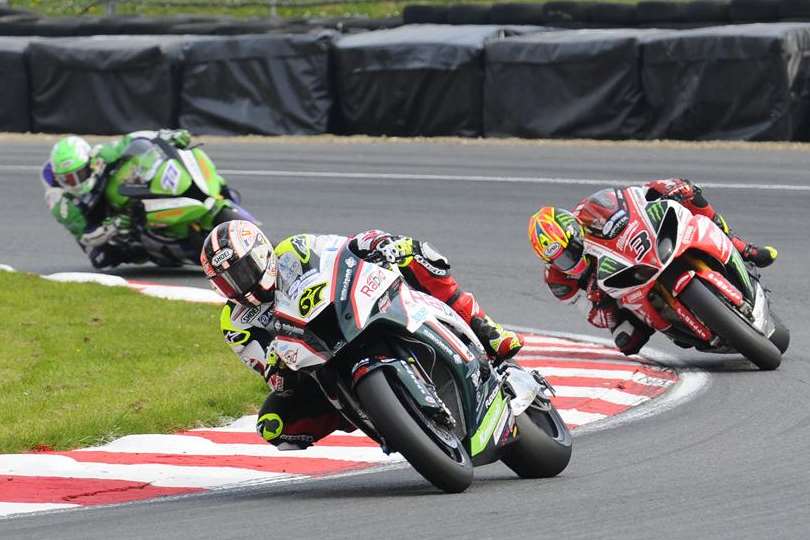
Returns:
point(243, 266)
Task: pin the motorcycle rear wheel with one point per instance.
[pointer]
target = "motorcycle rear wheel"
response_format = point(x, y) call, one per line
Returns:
point(781, 334)
point(404, 430)
point(730, 326)
point(544, 445)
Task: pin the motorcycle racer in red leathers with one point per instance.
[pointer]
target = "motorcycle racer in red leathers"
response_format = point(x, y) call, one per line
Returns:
point(242, 265)
point(558, 238)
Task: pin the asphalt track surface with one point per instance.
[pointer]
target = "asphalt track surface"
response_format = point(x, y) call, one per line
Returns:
point(731, 463)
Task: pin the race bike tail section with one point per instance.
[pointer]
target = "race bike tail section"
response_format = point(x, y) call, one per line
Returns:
point(408, 371)
point(681, 275)
point(175, 197)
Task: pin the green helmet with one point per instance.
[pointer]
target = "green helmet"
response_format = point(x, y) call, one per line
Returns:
point(70, 159)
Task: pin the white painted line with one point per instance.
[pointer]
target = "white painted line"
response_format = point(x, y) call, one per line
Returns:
point(245, 424)
point(579, 418)
point(611, 395)
point(457, 178)
point(184, 444)
point(87, 277)
point(609, 353)
point(173, 292)
point(582, 362)
point(499, 179)
point(8, 509)
point(619, 375)
point(155, 474)
point(549, 340)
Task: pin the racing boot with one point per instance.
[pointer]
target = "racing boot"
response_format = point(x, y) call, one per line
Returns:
point(760, 256)
point(501, 344)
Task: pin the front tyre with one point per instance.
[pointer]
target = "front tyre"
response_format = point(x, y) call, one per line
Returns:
point(730, 326)
point(543, 448)
point(406, 430)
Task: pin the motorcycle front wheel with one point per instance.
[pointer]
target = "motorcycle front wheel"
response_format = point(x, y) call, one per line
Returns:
point(731, 327)
point(434, 451)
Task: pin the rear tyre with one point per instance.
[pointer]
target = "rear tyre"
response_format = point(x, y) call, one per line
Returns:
point(406, 431)
point(730, 326)
point(543, 448)
point(781, 334)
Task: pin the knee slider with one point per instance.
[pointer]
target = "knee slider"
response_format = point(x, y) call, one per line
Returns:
point(269, 426)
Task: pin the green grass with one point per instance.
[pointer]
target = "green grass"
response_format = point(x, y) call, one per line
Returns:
point(372, 9)
point(82, 364)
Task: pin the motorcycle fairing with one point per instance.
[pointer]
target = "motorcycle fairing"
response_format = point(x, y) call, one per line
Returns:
point(365, 296)
point(658, 233)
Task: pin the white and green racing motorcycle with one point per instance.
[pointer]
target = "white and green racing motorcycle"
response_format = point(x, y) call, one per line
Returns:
point(409, 372)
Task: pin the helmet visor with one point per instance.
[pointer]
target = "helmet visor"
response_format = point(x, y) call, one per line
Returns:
point(570, 257)
point(239, 278)
point(72, 180)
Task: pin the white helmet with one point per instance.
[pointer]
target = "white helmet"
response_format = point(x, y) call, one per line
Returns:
point(240, 263)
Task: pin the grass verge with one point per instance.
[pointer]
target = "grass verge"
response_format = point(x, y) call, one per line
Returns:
point(83, 364)
point(373, 8)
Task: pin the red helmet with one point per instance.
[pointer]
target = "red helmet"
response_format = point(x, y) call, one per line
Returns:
point(558, 239)
point(240, 263)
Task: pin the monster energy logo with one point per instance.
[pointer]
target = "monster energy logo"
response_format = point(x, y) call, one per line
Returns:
point(608, 267)
point(564, 219)
point(737, 262)
point(655, 212)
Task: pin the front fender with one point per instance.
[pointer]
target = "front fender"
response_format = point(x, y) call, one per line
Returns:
point(424, 396)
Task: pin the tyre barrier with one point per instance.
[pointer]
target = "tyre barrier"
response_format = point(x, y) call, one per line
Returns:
point(421, 80)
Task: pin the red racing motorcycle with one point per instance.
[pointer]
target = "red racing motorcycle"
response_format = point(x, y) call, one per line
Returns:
point(680, 274)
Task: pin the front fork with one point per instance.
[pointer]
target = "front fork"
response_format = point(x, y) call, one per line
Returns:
point(699, 269)
point(410, 375)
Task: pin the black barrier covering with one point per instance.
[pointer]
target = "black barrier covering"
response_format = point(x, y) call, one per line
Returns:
point(14, 106)
point(421, 14)
point(575, 83)
point(532, 14)
point(265, 84)
point(612, 14)
point(745, 11)
point(414, 80)
point(104, 85)
point(729, 82)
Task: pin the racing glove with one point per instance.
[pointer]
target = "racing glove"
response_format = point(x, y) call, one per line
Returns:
point(393, 250)
point(181, 138)
point(113, 230)
point(122, 224)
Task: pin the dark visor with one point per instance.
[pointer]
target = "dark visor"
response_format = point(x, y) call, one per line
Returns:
point(239, 279)
point(570, 256)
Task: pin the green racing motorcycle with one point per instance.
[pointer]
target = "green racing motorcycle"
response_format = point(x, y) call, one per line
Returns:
point(174, 198)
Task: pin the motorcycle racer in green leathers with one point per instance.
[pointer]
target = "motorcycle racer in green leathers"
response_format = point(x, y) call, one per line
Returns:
point(144, 196)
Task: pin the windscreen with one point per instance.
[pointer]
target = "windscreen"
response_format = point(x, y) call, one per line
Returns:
point(604, 213)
